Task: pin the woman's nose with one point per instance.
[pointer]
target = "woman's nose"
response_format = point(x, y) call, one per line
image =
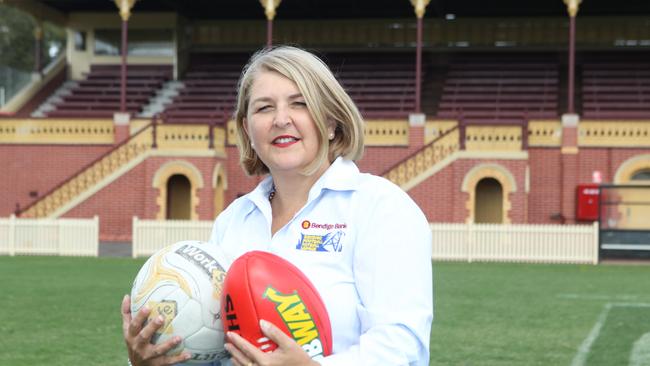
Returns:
point(282, 117)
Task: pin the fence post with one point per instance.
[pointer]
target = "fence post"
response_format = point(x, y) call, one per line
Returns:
point(134, 235)
point(59, 236)
point(470, 241)
point(596, 243)
point(96, 234)
point(12, 235)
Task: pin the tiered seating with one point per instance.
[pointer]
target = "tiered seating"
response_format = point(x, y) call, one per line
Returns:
point(209, 91)
point(99, 94)
point(616, 90)
point(381, 85)
point(500, 90)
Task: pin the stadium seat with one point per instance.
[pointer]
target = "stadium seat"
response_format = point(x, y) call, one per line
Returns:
point(488, 89)
point(98, 95)
point(614, 89)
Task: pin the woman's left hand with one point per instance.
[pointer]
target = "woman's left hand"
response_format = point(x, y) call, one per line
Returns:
point(288, 353)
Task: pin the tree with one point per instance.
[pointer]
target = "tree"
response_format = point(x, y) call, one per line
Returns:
point(16, 39)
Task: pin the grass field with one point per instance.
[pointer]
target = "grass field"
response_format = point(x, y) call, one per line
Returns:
point(65, 311)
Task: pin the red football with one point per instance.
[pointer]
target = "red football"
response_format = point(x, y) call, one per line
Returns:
point(261, 285)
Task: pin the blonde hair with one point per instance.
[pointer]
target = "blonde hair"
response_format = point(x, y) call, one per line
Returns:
point(326, 101)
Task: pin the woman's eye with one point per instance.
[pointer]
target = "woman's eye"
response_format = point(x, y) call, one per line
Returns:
point(300, 103)
point(263, 108)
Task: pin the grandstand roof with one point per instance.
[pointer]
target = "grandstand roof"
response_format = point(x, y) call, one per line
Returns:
point(302, 9)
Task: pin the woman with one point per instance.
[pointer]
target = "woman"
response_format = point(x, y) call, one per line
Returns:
point(361, 240)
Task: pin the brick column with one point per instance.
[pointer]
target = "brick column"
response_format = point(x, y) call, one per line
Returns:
point(416, 130)
point(121, 127)
point(569, 167)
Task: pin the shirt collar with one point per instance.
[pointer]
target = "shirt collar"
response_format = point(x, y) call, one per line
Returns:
point(342, 175)
point(259, 197)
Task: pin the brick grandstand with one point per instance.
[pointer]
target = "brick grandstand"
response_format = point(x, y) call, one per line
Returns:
point(499, 72)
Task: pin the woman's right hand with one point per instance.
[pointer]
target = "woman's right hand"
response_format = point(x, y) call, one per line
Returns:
point(138, 339)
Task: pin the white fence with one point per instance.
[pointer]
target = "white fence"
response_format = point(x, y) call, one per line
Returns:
point(451, 242)
point(151, 235)
point(516, 243)
point(69, 237)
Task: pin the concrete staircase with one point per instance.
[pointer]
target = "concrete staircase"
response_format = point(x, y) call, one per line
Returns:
point(57, 97)
point(426, 161)
point(163, 97)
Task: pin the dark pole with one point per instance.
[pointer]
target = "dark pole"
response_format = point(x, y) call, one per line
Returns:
point(38, 41)
point(154, 137)
point(269, 11)
point(418, 66)
point(211, 135)
point(572, 61)
point(123, 81)
point(420, 8)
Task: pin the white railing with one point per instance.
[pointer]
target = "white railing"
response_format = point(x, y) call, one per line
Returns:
point(151, 235)
point(515, 243)
point(69, 237)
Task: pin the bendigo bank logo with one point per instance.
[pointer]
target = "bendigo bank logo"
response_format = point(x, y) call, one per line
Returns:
point(298, 320)
point(329, 242)
point(306, 224)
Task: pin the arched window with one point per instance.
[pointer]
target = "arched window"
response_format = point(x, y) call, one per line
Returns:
point(179, 198)
point(641, 175)
point(489, 202)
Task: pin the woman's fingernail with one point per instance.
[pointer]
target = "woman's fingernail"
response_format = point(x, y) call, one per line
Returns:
point(264, 325)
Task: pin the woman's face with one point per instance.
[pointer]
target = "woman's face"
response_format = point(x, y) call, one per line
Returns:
point(279, 125)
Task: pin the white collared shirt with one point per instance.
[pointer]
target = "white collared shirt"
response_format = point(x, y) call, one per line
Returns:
point(366, 247)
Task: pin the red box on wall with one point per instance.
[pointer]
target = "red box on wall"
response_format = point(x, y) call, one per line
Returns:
point(587, 205)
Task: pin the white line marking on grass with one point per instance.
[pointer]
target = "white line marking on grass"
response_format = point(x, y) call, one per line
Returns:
point(621, 297)
point(584, 349)
point(580, 357)
point(640, 354)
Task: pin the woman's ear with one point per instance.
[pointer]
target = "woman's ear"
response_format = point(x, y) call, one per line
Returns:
point(331, 129)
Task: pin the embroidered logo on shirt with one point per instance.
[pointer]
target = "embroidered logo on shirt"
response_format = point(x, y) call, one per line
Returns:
point(330, 242)
point(321, 237)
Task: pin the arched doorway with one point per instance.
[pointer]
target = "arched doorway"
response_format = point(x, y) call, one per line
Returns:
point(163, 182)
point(488, 187)
point(218, 196)
point(489, 202)
point(220, 185)
point(179, 198)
